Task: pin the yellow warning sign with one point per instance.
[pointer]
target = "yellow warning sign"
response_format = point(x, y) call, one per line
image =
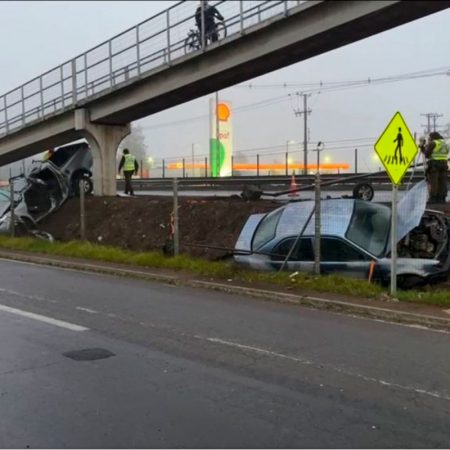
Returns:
point(396, 148)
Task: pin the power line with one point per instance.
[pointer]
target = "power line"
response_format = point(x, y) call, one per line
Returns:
point(321, 87)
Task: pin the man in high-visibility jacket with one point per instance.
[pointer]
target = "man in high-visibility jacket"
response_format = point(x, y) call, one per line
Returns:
point(129, 165)
point(436, 152)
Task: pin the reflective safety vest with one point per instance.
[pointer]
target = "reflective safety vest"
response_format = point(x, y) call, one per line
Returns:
point(128, 165)
point(440, 150)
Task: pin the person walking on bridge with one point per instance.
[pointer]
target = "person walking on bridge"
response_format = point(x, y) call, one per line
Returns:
point(436, 152)
point(129, 165)
point(210, 13)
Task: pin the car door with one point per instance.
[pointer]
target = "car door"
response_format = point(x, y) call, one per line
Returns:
point(339, 257)
point(302, 256)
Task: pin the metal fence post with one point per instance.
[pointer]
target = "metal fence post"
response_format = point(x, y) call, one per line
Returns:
point(12, 219)
point(82, 210)
point(232, 165)
point(138, 51)
point(110, 62)
point(257, 165)
point(85, 75)
point(6, 114)
point(287, 163)
point(206, 167)
point(241, 15)
point(23, 105)
point(356, 160)
point(61, 71)
point(176, 231)
point(168, 35)
point(74, 81)
point(317, 226)
point(142, 168)
point(41, 91)
point(202, 5)
point(184, 168)
point(163, 168)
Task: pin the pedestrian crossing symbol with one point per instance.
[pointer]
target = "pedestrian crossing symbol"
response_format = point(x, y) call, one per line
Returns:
point(396, 148)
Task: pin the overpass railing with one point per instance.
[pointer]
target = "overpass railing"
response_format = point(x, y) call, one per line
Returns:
point(155, 43)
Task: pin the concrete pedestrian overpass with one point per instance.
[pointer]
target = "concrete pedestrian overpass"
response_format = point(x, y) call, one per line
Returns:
point(145, 69)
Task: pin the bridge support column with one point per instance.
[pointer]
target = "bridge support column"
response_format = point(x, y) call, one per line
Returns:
point(104, 141)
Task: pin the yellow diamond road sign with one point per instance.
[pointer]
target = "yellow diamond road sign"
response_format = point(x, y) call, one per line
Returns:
point(396, 148)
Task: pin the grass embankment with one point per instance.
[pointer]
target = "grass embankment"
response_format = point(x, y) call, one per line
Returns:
point(219, 270)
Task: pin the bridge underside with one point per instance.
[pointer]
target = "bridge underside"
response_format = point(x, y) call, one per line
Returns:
point(311, 29)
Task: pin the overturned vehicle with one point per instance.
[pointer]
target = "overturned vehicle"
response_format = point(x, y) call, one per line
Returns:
point(355, 236)
point(47, 186)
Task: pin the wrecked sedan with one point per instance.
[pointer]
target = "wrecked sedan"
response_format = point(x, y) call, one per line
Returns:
point(47, 186)
point(353, 234)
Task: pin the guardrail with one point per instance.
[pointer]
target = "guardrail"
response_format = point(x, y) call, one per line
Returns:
point(156, 42)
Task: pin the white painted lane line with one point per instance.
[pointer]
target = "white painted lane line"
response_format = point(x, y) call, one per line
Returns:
point(30, 297)
point(411, 389)
point(88, 310)
point(39, 317)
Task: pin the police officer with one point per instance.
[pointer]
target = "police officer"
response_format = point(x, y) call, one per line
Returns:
point(436, 152)
point(130, 165)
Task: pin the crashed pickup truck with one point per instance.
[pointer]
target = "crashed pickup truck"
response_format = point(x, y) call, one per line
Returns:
point(355, 234)
point(47, 186)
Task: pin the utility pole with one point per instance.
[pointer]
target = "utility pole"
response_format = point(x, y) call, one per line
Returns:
point(305, 113)
point(431, 117)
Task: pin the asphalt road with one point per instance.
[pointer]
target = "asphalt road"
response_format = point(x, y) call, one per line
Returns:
point(200, 369)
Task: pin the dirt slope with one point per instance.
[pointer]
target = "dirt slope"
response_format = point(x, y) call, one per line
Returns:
point(143, 223)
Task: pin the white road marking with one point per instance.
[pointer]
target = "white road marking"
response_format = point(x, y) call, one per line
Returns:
point(39, 317)
point(434, 394)
point(30, 297)
point(90, 311)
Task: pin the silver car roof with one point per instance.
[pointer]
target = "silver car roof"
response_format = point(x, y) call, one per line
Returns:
point(335, 217)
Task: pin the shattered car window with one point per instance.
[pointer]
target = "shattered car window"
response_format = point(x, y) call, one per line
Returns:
point(369, 227)
point(266, 230)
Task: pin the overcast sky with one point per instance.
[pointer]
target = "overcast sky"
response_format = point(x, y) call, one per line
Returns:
point(39, 35)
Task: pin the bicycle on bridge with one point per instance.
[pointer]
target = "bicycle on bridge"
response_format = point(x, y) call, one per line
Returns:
point(193, 42)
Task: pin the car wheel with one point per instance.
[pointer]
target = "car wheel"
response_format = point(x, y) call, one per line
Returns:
point(363, 191)
point(410, 281)
point(88, 186)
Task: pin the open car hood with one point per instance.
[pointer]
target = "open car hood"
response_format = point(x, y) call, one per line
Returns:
point(410, 210)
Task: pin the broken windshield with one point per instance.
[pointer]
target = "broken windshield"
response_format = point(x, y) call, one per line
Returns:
point(369, 227)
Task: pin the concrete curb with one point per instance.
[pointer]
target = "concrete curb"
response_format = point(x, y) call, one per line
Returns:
point(320, 303)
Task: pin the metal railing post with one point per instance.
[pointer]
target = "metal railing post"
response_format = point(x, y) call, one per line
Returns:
point(241, 15)
point(257, 165)
point(110, 62)
point(206, 167)
point(74, 80)
point(163, 168)
point(184, 168)
point(202, 6)
point(168, 35)
point(138, 51)
point(41, 91)
point(61, 72)
point(23, 105)
point(85, 76)
point(6, 114)
point(286, 9)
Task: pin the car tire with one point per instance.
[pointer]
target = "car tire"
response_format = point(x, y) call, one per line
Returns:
point(363, 191)
point(87, 184)
point(410, 281)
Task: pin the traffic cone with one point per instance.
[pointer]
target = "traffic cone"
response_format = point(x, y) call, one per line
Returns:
point(293, 187)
